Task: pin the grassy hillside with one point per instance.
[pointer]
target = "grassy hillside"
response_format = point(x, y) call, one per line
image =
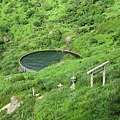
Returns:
point(94, 32)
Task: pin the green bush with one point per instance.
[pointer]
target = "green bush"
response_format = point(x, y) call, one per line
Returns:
point(115, 104)
point(93, 41)
point(48, 7)
point(16, 78)
point(4, 29)
point(56, 35)
point(30, 13)
point(24, 22)
point(1, 43)
point(83, 30)
point(116, 37)
point(37, 23)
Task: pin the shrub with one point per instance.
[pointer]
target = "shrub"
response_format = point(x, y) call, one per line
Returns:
point(16, 78)
point(30, 13)
point(4, 28)
point(37, 23)
point(24, 22)
point(1, 43)
point(56, 35)
point(48, 7)
point(47, 42)
point(93, 40)
point(115, 104)
point(82, 30)
point(116, 73)
point(116, 37)
point(118, 43)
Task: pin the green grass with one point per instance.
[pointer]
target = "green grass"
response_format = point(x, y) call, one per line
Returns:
point(94, 29)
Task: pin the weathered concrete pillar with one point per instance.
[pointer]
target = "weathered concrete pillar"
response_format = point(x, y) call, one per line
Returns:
point(91, 79)
point(104, 75)
point(33, 91)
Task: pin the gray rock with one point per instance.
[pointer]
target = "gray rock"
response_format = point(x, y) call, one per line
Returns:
point(6, 39)
point(15, 103)
point(60, 85)
point(68, 39)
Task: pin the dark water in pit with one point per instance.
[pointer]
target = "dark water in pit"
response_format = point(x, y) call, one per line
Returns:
point(39, 60)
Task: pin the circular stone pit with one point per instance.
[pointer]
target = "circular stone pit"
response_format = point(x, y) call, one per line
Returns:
point(40, 59)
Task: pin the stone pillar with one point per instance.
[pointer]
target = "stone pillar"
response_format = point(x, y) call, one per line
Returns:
point(91, 79)
point(33, 91)
point(104, 75)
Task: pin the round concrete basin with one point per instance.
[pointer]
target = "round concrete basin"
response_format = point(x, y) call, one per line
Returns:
point(40, 59)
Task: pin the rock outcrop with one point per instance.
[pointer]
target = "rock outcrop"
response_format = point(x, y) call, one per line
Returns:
point(15, 103)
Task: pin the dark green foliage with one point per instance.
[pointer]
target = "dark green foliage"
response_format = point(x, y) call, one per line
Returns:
point(48, 7)
point(1, 43)
point(24, 22)
point(82, 30)
point(116, 37)
point(93, 41)
point(30, 13)
point(56, 35)
point(16, 78)
point(115, 103)
point(4, 29)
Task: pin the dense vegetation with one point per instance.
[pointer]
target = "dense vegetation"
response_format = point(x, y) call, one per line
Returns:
point(93, 27)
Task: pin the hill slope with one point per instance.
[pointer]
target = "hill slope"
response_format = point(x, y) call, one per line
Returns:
point(93, 29)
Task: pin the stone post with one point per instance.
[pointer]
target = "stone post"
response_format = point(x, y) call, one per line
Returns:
point(33, 91)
